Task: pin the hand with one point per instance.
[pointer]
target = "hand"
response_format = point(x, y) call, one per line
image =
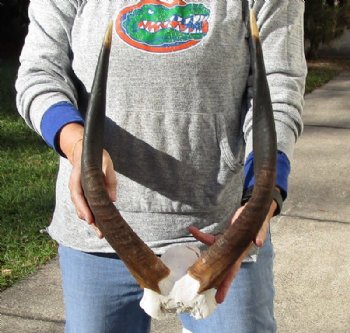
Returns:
point(76, 190)
point(209, 239)
point(71, 144)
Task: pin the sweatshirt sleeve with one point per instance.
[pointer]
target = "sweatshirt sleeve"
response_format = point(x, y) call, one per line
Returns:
point(45, 74)
point(281, 32)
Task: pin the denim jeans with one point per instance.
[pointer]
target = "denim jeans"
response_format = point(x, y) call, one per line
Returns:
point(101, 296)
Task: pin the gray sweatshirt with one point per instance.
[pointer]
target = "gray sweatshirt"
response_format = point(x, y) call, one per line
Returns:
point(178, 123)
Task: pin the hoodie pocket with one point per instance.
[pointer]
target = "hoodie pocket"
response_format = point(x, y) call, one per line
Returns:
point(172, 162)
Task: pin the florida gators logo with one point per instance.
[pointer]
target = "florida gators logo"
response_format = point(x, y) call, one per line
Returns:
point(163, 26)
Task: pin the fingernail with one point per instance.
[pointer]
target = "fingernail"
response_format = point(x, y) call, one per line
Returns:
point(259, 242)
point(98, 233)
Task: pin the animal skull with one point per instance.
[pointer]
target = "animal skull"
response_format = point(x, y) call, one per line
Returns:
point(179, 291)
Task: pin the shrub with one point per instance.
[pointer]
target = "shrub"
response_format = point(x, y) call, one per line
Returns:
point(325, 20)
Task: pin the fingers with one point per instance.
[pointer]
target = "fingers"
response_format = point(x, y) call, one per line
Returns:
point(237, 213)
point(261, 236)
point(71, 144)
point(79, 201)
point(97, 231)
point(207, 239)
point(227, 282)
point(110, 177)
point(77, 196)
point(77, 193)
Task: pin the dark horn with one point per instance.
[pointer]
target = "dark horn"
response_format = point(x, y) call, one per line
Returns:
point(211, 268)
point(145, 266)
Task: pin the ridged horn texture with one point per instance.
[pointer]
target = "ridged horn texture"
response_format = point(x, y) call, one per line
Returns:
point(144, 265)
point(211, 268)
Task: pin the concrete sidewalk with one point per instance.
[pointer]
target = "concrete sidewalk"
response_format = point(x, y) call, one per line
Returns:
point(311, 238)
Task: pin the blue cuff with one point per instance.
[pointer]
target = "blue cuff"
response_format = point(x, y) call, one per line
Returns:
point(56, 117)
point(282, 168)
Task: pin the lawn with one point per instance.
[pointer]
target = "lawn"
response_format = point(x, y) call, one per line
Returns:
point(27, 176)
point(318, 77)
point(321, 71)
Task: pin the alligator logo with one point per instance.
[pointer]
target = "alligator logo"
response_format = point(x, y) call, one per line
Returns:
point(163, 26)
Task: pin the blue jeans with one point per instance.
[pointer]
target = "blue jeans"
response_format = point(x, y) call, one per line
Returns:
point(101, 296)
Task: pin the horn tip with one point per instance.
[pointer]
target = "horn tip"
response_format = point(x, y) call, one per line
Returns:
point(253, 25)
point(108, 36)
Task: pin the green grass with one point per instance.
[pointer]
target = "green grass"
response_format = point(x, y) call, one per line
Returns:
point(27, 177)
point(318, 77)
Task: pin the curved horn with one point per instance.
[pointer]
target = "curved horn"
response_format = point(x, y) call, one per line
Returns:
point(211, 267)
point(145, 266)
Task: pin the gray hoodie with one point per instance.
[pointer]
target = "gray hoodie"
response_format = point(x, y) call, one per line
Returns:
point(178, 122)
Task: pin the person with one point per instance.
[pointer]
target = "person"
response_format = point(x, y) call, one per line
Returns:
point(178, 132)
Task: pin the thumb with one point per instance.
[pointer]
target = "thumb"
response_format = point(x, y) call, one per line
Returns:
point(261, 236)
point(110, 177)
